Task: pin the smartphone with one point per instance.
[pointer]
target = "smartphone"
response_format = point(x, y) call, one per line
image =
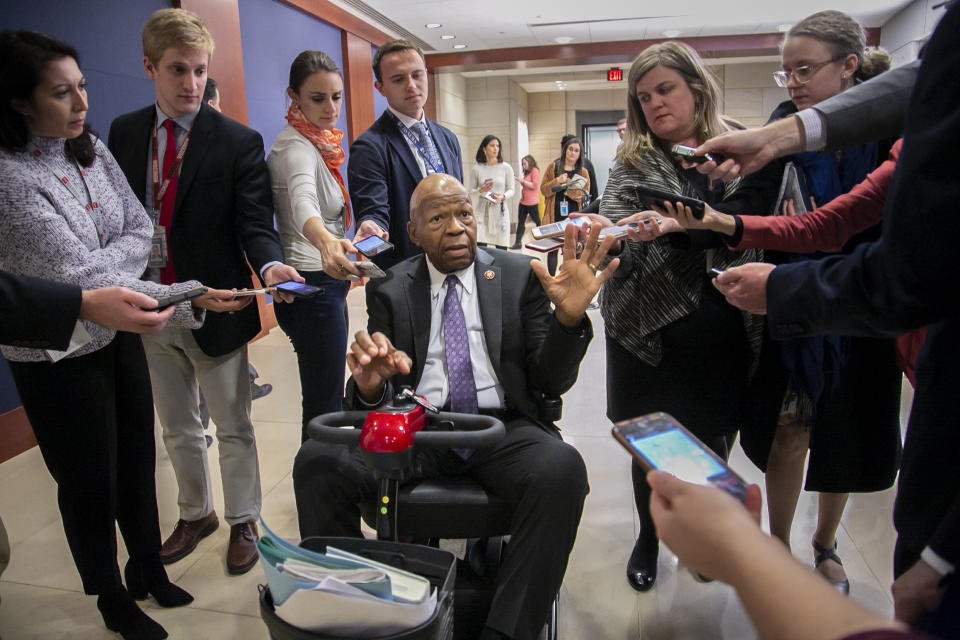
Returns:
point(243, 293)
point(545, 245)
point(659, 441)
point(690, 155)
point(372, 245)
point(166, 301)
point(714, 272)
point(656, 197)
point(617, 230)
point(556, 229)
point(300, 289)
point(370, 270)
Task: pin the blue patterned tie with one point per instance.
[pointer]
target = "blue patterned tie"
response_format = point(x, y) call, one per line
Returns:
point(463, 388)
point(434, 163)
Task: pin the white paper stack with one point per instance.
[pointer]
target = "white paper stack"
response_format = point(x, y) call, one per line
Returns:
point(342, 594)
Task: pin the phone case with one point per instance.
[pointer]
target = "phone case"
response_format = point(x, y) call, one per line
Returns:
point(545, 245)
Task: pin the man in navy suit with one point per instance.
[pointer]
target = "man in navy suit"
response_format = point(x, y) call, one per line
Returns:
point(903, 281)
point(402, 147)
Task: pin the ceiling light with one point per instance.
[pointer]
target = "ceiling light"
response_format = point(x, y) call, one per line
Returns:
point(671, 33)
point(459, 46)
point(447, 37)
point(433, 25)
point(783, 28)
point(563, 39)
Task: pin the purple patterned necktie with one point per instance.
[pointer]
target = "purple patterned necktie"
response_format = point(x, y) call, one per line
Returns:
point(463, 388)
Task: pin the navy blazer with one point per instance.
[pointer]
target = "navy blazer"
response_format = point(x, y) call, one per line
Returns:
point(35, 313)
point(905, 280)
point(382, 174)
point(531, 353)
point(222, 216)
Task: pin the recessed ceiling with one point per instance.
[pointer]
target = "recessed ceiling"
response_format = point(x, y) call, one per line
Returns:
point(495, 24)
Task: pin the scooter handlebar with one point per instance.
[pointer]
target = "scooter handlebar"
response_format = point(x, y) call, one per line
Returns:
point(473, 431)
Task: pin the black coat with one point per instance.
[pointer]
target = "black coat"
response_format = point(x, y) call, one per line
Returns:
point(223, 214)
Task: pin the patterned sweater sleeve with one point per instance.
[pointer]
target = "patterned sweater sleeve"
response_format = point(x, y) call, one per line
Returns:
point(37, 240)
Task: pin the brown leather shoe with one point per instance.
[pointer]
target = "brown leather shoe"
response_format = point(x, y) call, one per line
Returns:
point(186, 536)
point(242, 552)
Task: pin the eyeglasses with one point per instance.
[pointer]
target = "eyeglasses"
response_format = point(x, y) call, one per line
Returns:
point(802, 75)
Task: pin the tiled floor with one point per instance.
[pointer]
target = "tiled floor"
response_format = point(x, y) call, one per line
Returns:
point(42, 597)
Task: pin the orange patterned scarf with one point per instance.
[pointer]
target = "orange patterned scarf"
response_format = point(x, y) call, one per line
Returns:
point(327, 142)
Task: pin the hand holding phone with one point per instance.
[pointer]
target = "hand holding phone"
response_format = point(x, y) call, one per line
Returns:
point(659, 441)
point(655, 198)
point(556, 229)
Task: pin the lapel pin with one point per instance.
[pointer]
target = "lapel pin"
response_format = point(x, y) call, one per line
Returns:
point(489, 274)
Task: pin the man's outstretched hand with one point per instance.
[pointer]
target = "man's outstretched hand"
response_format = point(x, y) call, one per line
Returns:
point(577, 281)
point(372, 360)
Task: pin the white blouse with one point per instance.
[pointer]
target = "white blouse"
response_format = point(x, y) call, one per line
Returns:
point(502, 175)
point(303, 188)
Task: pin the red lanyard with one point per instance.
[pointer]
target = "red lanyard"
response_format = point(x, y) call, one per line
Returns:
point(160, 189)
point(89, 203)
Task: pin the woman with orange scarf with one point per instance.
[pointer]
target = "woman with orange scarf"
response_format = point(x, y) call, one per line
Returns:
point(313, 214)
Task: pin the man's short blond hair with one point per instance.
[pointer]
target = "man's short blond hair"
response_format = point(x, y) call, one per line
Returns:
point(174, 28)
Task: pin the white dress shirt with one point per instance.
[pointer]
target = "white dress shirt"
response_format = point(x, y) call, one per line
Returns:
point(183, 124)
point(434, 384)
point(408, 122)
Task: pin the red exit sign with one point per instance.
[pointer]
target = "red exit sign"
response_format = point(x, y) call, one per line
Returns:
point(615, 74)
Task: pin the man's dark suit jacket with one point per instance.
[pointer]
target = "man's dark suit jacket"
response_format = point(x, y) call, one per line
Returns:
point(906, 280)
point(37, 313)
point(222, 216)
point(382, 174)
point(532, 354)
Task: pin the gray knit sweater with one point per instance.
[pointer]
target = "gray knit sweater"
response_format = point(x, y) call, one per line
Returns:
point(46, 232)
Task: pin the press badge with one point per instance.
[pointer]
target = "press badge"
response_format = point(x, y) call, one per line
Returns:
point(158, 243)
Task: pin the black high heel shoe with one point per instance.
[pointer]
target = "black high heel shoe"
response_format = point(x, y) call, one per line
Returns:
point(642, 566)
point(122, 615)
point(149, 577)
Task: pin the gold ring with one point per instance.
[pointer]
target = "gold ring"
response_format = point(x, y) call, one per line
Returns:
point(342, 269)
point(592, 266)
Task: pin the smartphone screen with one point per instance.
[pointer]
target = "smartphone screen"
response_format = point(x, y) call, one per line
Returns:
point(297, 288)
point(556, 229)
point(372, 245)
point(664, 444)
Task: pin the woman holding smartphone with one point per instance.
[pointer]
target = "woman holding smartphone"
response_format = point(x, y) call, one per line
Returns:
point(560, 204)
point(313, 214)
point(491, 185)
point(673, 343)
point(67, 214)
point(836, 396)
point(529, 197)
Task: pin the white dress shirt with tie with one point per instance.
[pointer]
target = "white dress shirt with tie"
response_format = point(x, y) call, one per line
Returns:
point(434, 384)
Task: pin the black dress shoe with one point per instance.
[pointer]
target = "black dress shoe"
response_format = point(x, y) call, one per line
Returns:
point(642, 567)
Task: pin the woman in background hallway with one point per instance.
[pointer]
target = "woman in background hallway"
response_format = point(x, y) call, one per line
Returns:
point(491, 185)
point(529, 196)
point(560, 204)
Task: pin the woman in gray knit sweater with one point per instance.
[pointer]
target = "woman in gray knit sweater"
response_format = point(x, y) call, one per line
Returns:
point(67, 214)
